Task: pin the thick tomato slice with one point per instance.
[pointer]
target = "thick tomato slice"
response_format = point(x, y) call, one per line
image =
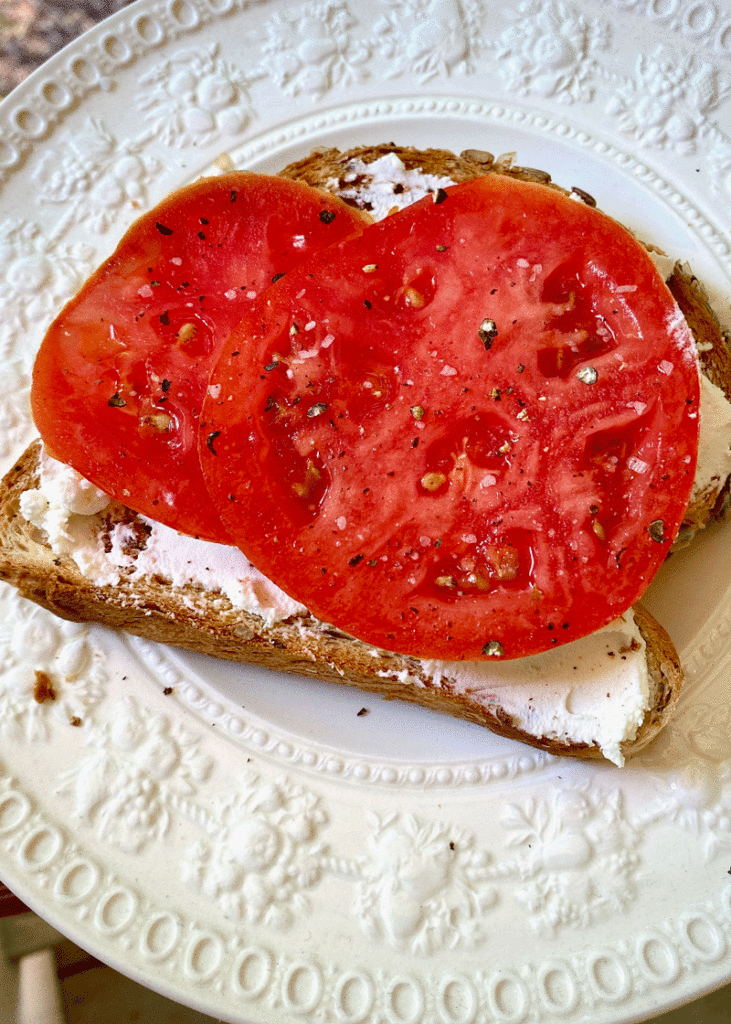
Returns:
point(120, 378)
point(470, 432)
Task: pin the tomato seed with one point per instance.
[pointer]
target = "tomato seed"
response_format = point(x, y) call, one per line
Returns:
point(186, 333)
point(433, 481)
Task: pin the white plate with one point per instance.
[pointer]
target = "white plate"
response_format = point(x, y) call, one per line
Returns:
point(248, 844)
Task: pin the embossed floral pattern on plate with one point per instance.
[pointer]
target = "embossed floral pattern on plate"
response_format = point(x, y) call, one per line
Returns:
point(251, 845)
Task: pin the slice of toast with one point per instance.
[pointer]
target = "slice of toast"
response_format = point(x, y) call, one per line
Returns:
point(205, 620)
point(346, 174)
point(532, 707)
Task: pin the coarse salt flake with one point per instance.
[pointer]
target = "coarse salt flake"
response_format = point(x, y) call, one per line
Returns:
point(145, 291)
point(626, 288)
point(327, 341)
point(251, 294)
point(310, 325)
point(230, 294)
point(341, 522)
point(214, 390)
point(469, 538)
point(637, 465)
point(666, 367)
point(448, 371)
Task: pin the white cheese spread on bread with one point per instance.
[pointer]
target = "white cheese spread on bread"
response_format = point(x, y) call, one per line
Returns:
point(66, 508)
point(714, 442)
point(595, 690)
point(385, 185)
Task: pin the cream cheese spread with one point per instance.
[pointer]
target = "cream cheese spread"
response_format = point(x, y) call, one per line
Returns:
point(595, 690)
point(66, 507)
point(714, 442)
point(384, 185)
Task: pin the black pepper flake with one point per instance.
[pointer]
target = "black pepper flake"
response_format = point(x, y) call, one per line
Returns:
point(165, 385)
point(162, 229)
point(164, 318)
point(277, 277)
point(415, 442)
point(234, 193)
point(367, 304)
point(316, 410)
point(356, 560)
point(441, 248)
point(116, 401)
point(210, 440)
point(656, 529)
point(439, 196)
point(327, 216)
point(202, 236)
point(520, 367)
point(168, 690)
point(272, 366)
point(203, 220)
point(365, 711)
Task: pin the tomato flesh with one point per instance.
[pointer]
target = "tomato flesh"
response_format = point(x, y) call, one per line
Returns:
point(470, 432)
point(120, 378)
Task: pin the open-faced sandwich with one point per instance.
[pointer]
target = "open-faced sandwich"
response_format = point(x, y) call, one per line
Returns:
point(420, 423)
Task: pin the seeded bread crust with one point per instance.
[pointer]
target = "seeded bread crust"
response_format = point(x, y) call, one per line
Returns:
point(333, 170)
point(200, 620)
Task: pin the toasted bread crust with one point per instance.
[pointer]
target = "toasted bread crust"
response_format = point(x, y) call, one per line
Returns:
point(714, 356)
point(206, 622)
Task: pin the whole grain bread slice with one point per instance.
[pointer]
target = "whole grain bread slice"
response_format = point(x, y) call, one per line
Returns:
point(205, 621)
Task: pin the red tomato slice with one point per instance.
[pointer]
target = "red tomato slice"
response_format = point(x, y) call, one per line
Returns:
point(120, 378)
point(470, 432)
